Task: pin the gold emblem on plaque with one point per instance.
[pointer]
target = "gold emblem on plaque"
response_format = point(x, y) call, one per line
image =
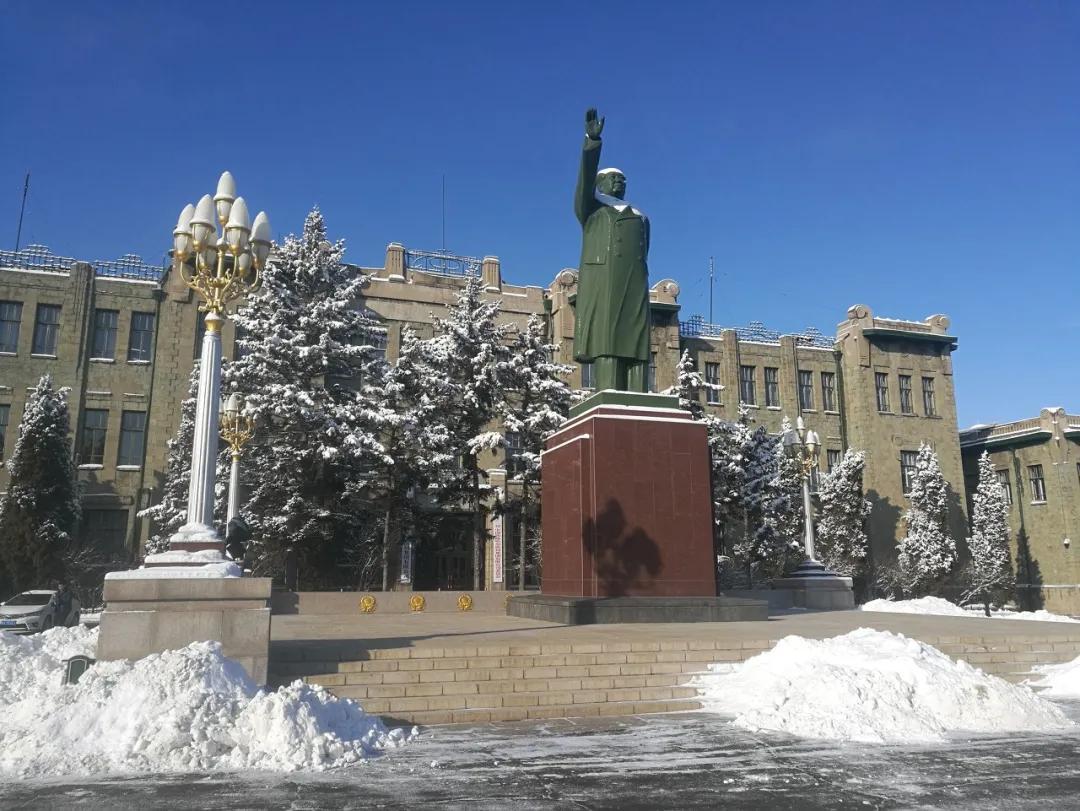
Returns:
point(417, 602)
point(464, 602)
point(367, 604)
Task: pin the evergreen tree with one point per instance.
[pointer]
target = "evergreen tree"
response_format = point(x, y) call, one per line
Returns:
point(785, 509)
point(727, 444)
point(927, 553)
point(468, 347)
point(990, 572)
point(170, 513)
point(840, 541)
point(538, 401)
point(762, 547)
point(41, 509)
point(306, 342)
point(689, 383)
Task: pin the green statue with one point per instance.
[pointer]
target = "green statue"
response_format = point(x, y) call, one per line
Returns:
point(611, 327)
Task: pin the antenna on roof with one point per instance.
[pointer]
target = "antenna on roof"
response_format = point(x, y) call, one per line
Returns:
point(22, 210)
point(444, 212)
point(710, 289)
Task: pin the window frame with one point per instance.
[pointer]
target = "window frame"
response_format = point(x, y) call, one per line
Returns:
point(909, 464)
point(772, 387)
point(806, 389)
point(907, 404)
point(143, 352)
point(10, 326)
point(93, 438)
point(123, 453)
point(1038, 484)
point(929, 397)
point(830, 455)
point(712, 377)
point(115, 536)
point(881, 392)
point(588, 375)
point(5, 420)
point(107, 352)
point(747, 375)
point(828, 392)
point(46, 332)
point(1006, 484)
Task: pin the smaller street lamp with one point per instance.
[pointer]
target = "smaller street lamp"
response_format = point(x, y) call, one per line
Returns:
point(236, 429)
point(805, 446)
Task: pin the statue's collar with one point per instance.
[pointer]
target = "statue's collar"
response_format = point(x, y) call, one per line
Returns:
point(615, 202)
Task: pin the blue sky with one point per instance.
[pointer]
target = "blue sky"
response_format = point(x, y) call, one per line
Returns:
point(916, 157)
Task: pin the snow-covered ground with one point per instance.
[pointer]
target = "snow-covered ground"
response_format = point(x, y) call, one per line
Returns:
point(942, 607)
point(1058, 681)
point(186, 710)
point(872, 686)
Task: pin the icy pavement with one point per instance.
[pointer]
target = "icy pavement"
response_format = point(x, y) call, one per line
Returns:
point(692, 760)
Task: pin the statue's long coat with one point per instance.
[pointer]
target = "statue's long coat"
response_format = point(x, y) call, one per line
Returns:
point(612, 308)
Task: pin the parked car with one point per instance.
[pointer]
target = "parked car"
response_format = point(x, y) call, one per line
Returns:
point(35, 610)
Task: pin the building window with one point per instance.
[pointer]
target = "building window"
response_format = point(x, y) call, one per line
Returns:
point(828, 391)
point(104, 341)
point(772, 387)
point(5, 414)
point(832, 459)
point(46, 329)
point(380, 341)
point(92, 449)
point(132, 438)
point(10, 320)
point(908, 460)
point(652, 371)
point(141, 342)
point(1006, 485)
point(746, 385)
point(105, 529)
point(928, 404)
point(514, 462)
point(712, 377)
point(587, 375)
point(806, 389)
point(1038, 483)
point(881, 384)
point(906, 405)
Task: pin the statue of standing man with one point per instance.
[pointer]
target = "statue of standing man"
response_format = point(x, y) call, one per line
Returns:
point(611, 327)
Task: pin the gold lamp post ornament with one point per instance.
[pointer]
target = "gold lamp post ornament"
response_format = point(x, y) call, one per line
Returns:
point(804, 446)
point(236, 429)
point(221, 267)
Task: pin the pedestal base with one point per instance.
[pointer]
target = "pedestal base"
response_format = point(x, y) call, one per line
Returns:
point(147, 615)
point(606, 610)
point(814, 587)
point(627, 501)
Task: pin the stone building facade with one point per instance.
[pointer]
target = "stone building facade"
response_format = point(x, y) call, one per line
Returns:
point(867, 387)
point(1037, 461)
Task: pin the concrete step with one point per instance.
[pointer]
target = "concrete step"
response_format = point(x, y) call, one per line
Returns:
point(521, 713)
point(511, 687)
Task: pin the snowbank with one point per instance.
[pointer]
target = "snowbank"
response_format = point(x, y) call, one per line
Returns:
point(940, 607)
point(1058, 681)
point(185, 710)
point(871, 686)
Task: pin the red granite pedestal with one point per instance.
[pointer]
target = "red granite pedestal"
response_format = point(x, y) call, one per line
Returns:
point(627, 501)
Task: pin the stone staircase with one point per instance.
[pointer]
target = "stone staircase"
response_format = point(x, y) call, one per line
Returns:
point(434, 685)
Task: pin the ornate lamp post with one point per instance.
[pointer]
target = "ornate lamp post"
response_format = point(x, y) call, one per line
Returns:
point(805, 446)
point(220, 268)
point(236, 429)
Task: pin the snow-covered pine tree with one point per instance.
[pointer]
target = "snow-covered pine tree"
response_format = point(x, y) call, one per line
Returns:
point(306, 342)
point(170, 512)
point(727, 444)
point(761, 547)
point(41, 509)
point(840, 540)
point(537, 403)
point(689, 383)
point(927, 552)
point(989, 573)
point(467, 347)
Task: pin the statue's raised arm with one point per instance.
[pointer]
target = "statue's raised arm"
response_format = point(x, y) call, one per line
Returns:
point(585, 198)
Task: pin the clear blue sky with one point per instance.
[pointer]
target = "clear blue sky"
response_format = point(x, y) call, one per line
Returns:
point(915, 157)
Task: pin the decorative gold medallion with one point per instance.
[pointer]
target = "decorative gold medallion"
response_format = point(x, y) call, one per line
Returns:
point(367, 604)
point(417, 602)
point(464, 602)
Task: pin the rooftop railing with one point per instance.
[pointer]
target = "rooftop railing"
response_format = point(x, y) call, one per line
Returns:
point(39, 257)
point(443, 263)
point(697, 327)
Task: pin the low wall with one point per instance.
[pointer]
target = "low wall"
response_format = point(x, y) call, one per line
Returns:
point(387, 602)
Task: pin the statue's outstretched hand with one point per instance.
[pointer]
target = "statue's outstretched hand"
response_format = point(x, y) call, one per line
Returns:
point(593, 125)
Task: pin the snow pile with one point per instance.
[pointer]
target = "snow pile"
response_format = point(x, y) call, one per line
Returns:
point(940, 607)
point(1058, 681)
point(184, 710)
point(176, 564)
point(871, 686)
